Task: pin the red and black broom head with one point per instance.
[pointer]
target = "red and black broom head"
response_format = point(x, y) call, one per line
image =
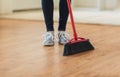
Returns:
point(77, 46)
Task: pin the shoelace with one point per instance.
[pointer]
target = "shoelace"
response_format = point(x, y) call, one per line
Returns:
point(64, 35)
point(48, 36)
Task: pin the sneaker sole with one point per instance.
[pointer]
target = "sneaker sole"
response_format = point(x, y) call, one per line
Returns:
point(49, 44)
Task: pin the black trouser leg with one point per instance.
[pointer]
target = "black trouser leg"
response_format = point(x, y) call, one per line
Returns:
point(48, 7)
point(63, 11)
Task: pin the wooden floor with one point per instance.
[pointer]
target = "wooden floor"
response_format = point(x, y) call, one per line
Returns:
point(23, 55)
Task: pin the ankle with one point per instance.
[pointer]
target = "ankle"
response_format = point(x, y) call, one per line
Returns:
point(60, 31)
point(52, 32)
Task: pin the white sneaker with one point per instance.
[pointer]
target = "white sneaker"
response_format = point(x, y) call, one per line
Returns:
point(63, 37)
point(49, 39)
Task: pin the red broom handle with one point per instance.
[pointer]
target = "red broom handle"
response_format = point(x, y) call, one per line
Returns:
point(72, 20)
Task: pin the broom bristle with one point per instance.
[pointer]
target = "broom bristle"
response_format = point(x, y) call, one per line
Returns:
point(73, 48)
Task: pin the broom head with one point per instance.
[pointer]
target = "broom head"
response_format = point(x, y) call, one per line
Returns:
point(77, 46)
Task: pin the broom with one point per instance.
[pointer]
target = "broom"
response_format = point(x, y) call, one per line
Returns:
point(76, 44)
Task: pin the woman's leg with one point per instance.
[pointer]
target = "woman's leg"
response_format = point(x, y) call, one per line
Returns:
point(63, 11)
point(48, 7)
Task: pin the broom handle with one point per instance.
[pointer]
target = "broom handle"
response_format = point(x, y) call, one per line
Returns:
point(72, 20)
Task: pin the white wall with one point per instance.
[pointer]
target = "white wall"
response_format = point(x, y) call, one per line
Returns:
point(26, 4)
point(111, 4)
point(5, 6)
point(118, 5)
point(86, 3)
point(98, 4)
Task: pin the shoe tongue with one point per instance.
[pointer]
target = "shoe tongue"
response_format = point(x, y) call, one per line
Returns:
point(61, 32)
